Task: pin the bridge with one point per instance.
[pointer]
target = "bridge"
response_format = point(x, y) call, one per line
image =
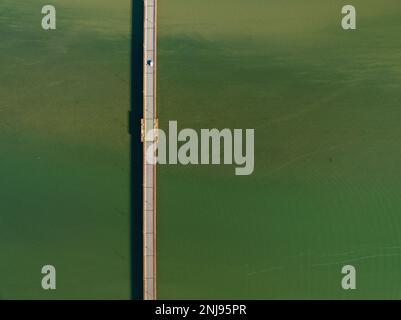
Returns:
point(149, 122)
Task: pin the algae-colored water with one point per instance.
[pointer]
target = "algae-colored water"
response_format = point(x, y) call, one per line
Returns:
point(64, 167)
point(325, 106)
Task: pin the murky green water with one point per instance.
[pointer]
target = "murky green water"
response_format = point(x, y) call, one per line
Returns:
point(64, 97)
point(325, 104)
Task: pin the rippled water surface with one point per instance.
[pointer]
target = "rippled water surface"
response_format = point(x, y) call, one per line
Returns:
point(326, 107)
